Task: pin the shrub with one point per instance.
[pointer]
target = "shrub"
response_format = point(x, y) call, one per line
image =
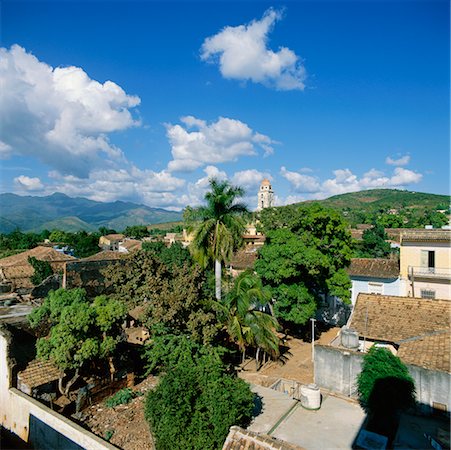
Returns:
point(195, 404)
point(121, 397)
point(384, 384)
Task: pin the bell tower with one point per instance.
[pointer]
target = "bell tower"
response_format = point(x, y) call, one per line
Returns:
point(265, 195)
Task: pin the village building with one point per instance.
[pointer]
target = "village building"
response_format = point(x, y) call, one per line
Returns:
point(15, 271)
point(129, 245)
point(417, 330)
point(374, 276)
point(425, 263)
point(111, 241)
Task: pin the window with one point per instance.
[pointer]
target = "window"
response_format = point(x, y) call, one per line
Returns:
point(375, 288)
point(428, 259)
point(427, 293)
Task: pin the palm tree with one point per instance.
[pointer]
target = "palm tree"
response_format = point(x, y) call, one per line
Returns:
point(220, 227)
point(245, 320)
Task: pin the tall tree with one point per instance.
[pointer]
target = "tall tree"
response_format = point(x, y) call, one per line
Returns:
point(219, 228)
point(303, 259)
point(244, 316)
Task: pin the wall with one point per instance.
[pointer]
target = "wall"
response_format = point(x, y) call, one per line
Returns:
point(33, 421)
point(336, 369)
point(360, 285)
point(410, 255)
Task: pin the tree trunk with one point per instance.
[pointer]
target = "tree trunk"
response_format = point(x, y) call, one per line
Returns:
point(243, 356)
point(218, 279)
point(112, 368)
point(257, 354)
point(65, 390)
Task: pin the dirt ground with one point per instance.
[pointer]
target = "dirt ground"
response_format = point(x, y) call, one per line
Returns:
point(126, 422)
point(297, 364)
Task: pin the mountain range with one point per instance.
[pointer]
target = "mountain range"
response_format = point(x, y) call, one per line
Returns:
point(59, 211)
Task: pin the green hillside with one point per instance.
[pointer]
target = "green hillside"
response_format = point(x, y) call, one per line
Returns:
point(392, 208)
point(387, 198)
point(72, 214)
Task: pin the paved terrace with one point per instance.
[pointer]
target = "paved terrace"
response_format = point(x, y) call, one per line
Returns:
point(334, 426)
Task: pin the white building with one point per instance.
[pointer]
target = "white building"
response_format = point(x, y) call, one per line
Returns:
point(265, 195)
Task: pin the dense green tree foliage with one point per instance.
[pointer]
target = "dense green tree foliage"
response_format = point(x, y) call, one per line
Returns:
point(243, 313)
point(76, 331)
point(384, 384)
point(196, 402)
point(176, 254)
point(306, 250)
point(374, 243)
point(174, 295)
point(218, 226)
point(16, 240)
point(42, 270)
point(137, 231)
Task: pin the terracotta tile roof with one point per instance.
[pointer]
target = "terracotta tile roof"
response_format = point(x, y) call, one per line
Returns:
point(374, 268)
point(114, 237)
point(426, 235)
point(243, 260)
point(104, 256)
point(420, 327)
point(394, 319)
point(431, 351)
point(240, 439)
point(42, 253)
point(18, 270)
point(131, 244)
point(38, 372)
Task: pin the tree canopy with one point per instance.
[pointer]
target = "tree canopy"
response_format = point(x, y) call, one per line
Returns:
point(75, 331)
point(384, 384)
point(374, 243)
point(303, 259)
point(218, 226)
point(196, 402)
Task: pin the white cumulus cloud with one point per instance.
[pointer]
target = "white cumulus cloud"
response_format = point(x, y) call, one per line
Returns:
point(60, 115)
point(344, 180)
point(242, 54)
point(25, 183)
point(196, 143)
point(401, 161)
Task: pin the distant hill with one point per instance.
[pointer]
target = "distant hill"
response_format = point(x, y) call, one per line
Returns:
point(387, 198)
point(358, 207)
point(59, 211)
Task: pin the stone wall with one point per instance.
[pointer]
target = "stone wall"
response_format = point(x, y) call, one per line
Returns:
point(336, 369)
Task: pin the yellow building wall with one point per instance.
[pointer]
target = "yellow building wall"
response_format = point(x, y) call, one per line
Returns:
point(410, 255)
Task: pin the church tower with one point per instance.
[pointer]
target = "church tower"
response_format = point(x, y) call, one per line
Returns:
point(265, 195)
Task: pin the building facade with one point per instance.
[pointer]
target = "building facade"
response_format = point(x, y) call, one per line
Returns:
point(425, 263)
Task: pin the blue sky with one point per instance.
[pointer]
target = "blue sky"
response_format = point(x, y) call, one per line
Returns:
point(146, 100)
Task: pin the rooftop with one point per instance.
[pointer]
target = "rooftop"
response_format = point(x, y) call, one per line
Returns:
point(42, 253)
point(114, 237)
point(374, 268)
point(419, 326)
point(240, 439)
point(39, 372)
point(106, 255)
point(420, 235)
